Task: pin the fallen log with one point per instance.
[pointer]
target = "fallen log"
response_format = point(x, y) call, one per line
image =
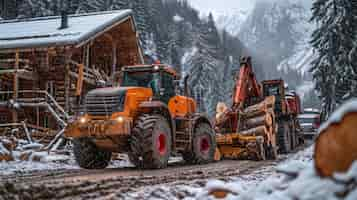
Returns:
point(260, 130)
point(5, 153)
point(336, 146)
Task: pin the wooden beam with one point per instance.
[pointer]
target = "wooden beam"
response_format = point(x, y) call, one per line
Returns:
point(21, 73)
point(87, 80)
point(114, 54)
point(15, 86)
point(67, 85)
point(80, 80)
point(14, 60)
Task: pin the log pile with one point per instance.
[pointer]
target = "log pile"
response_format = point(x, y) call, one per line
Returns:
point(259, 120)
point(336, 145)
point(254, 136)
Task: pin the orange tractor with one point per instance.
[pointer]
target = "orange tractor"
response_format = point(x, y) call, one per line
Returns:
point(261, 121)
point(145, 118)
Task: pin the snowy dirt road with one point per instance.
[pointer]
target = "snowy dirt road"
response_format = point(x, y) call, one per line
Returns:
point(122, 183)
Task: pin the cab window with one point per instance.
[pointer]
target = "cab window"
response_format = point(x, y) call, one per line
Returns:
point(168, 87)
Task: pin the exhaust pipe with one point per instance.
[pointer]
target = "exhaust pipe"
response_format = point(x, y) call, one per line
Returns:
point(186, 89)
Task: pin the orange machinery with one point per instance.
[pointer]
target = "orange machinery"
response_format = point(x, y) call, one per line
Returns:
point(143, 117)
point(247, 129)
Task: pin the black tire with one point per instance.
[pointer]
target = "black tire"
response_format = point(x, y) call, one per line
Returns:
point(150, 142)
point(271, 152)
point(283, 138)
point(293, 136)
point(203, 145)
point(262, 153)
point(89, 156)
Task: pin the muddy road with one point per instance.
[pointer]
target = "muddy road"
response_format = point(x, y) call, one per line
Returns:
point(115, 183)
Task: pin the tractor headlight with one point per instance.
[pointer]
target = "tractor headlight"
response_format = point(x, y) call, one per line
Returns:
point(83, 120)
point(120, 119)
point(156, 68)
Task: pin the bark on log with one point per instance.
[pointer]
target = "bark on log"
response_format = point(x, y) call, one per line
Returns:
point(336, 146)
point(262, 106)
point(264, 120)
point(257, 113)
point(260, 130)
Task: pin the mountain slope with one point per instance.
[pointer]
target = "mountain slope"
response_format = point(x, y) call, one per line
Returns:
point(276, 30)
point(232, 23)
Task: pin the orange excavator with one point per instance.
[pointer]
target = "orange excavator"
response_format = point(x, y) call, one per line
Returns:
point(246, 130)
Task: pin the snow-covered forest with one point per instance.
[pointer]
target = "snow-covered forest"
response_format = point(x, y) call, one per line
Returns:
point(334, 68)
point(170, 31)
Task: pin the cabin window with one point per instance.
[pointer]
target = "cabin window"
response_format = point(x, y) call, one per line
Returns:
point(168, 87)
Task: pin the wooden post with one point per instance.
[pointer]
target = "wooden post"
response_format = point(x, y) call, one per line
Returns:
point(80, 80)
point(114, 60)
point(15, 87)
point(67, 82)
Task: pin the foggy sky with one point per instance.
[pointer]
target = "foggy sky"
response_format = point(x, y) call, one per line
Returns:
point(230, 6)
point(222, 6)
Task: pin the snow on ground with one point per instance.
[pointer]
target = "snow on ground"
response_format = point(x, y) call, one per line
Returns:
point(53, 162)
point(59, 162)
point(194, 189)
point(242, 188)
point(297, 180)
point(20, 167)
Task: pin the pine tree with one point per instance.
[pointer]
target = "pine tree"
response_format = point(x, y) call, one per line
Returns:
point(205, 66)
point(95, 5)
point(141, 16)
point(334, 40)
point(35, 8)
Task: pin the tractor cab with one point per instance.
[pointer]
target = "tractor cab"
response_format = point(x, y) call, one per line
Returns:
point(160, 78)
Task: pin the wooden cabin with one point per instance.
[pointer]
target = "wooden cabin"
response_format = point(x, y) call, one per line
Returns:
point(48, 64)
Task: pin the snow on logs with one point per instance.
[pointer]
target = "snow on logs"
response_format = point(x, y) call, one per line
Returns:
point(13, 149)
point(5, 150)
point(336, 145)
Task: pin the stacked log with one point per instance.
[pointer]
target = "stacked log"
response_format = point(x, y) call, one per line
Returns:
point(259, 120)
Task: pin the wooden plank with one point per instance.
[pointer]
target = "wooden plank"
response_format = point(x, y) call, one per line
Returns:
point(21, 73)
point(80, 80)
point(66, 87)
point(114, 60)
point(87, 80)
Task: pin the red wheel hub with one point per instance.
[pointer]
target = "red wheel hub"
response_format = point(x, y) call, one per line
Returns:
point(204, 145)
point(161, 144)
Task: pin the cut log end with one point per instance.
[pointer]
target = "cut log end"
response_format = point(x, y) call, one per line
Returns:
point(336, 146)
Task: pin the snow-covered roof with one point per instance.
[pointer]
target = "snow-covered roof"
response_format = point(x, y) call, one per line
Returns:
point(45, 32)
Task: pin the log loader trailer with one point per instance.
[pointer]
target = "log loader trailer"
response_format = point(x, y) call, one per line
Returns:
point(261, 121)
point(144, 118)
